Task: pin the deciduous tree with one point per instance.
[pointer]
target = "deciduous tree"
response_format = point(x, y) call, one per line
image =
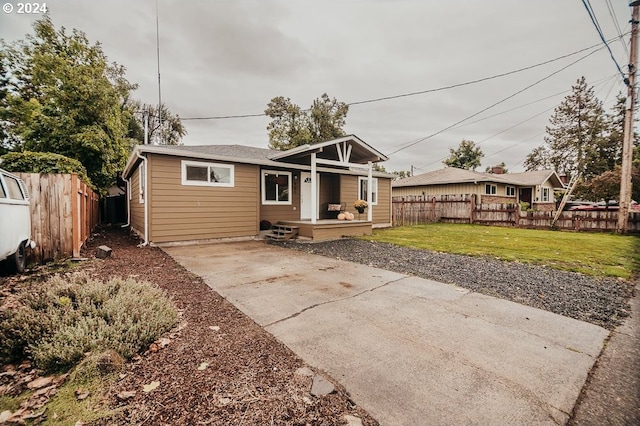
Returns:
point(291, 126)
point(63, 96)
point(467, 156)
point(166, 131)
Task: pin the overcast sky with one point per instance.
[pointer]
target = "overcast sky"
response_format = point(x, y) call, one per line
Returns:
point(225, 57)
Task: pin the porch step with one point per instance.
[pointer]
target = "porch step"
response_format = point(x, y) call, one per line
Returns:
point(282, 232)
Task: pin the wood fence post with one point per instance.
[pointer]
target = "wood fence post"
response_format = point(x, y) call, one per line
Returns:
point(472, 207)
point(433, 209)
point(75, 216)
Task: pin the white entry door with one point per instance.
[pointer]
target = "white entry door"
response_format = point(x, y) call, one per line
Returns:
point(305, 194)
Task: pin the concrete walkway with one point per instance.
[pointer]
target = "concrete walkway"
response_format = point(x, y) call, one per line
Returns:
point(612, 398)
point(410, 351)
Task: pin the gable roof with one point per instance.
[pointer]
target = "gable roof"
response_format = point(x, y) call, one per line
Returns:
point(250, 155)
point(361, 152)
point(452, 175)
point(446, 176)
point(536, 177)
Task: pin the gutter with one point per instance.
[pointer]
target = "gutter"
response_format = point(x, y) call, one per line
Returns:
point(146, 200)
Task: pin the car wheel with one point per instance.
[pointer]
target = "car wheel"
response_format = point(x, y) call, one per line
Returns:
point(20, 258)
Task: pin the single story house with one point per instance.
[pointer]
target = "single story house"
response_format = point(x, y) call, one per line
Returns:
point(535, 188)
point(188, 193)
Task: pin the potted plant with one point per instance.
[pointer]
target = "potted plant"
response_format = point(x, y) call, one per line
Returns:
point(360, 205)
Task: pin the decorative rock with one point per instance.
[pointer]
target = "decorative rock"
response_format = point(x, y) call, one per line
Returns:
point(352, 420)
point(304, 371)
point(321, 386)
point(103, 252)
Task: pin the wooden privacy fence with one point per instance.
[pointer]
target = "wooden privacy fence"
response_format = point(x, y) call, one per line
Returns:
point(463, 209)
point(64, 211)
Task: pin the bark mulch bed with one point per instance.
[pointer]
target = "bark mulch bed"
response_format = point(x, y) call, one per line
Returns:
point(218, 367)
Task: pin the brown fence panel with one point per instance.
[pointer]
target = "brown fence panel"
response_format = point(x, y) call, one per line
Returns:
point(415, 210)
point(64, 210)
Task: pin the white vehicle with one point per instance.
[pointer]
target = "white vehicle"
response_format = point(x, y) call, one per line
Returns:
point(15, 221)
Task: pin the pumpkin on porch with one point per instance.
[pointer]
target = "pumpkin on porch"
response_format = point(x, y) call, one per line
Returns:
point(341, 216)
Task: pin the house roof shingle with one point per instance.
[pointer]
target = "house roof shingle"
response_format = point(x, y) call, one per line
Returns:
point(450, 175)
point(234, 151)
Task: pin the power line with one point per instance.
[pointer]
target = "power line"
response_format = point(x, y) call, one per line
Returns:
point(596, 83)
point(614, 18)
point(606, 81)
point(493, 105)
point(540, 134)
point(421, 92)
point(223, 117)
point(594, 20)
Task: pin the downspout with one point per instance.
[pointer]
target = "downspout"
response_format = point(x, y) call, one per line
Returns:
point(370, 191)
point(146, 203)
point(128, 195)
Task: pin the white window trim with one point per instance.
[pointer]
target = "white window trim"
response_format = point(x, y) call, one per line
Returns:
point(186, 182)
point(264, 174)
point(374, 190)
point(493, 189)
point(142, 178)
point(546, 194)
point(513, 189)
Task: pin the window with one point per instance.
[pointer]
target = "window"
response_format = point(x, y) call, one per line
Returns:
point(13, 188)
point(546, 194)
point(142, 182)
point(276, 187)
point(490, 189)
point(510, 191)
point(362, 190)
point(207, 174)
point(3, 194)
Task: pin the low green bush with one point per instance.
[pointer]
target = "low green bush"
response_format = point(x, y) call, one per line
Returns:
point(43, 162)
point(72, 315)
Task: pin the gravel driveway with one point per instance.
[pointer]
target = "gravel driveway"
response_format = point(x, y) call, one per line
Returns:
point(600, 301)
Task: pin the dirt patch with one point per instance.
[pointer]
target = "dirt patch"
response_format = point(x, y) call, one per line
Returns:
point(218, 367)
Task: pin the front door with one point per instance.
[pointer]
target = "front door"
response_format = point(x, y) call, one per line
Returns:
point(525, 195)
point(305, 194)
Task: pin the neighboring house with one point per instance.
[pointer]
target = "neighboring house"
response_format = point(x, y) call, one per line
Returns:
point(186, 193)
point(535, 188)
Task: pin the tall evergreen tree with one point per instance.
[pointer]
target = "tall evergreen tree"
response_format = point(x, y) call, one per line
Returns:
point(574, 134)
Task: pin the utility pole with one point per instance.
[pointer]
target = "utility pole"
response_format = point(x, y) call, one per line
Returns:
point(627, 143)
point(159, 90)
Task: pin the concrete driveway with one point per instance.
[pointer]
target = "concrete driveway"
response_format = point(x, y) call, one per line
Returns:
point(410, 351)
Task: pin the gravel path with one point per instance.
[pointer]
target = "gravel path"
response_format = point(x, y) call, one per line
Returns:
point(600, 301)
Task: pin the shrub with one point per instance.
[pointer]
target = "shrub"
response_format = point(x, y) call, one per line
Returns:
point(43, 162)
point(70, 316)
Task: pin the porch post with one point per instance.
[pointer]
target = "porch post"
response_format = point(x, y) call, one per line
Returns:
point(370, 191)
point(314, 207)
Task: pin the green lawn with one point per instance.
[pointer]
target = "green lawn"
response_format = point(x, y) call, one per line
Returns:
point(595, 254)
